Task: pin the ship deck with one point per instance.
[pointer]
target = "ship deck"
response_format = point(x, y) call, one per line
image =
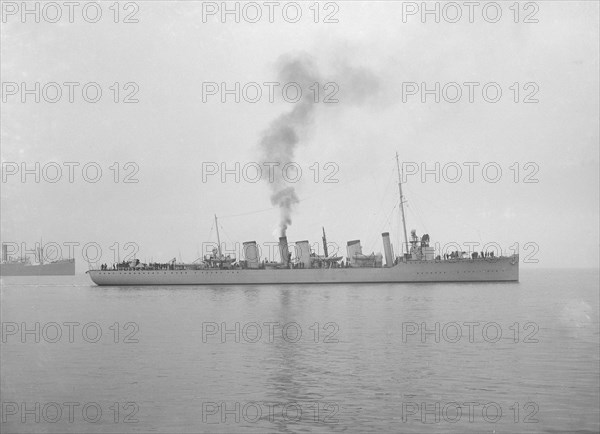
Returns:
point(458, 270)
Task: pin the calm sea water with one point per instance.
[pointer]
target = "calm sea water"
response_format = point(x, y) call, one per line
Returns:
point(515, 357)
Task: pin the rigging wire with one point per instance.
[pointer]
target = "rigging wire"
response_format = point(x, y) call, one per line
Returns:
point(201, 255)
point(249, 212)
point(415, 210)
point(227, 235)
point(380, 207)
point(383, 197)
point(385, 225)
point(335, 185)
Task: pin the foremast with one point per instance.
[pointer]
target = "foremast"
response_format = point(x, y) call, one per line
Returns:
point(218, 237)
point(401, 205)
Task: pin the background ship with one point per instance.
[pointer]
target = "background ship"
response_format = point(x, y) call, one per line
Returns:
point(22, 266)
point(417, 263)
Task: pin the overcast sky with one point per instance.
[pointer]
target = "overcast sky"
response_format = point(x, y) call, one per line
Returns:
point(372, 56)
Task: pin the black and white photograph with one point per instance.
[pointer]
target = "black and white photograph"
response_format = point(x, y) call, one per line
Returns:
point(306, 216)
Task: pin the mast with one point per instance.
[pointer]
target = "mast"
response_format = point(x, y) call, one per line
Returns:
point(218, 238)
point(401, 203)
point(324, 243)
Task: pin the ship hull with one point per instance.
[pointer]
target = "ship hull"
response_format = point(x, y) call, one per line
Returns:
point(504, 269)
point(62, 268)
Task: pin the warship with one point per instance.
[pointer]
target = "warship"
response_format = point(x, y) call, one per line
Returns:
point(22, 266)
point(416, 263)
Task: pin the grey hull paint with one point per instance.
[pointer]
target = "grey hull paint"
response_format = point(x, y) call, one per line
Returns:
point(503, 269)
